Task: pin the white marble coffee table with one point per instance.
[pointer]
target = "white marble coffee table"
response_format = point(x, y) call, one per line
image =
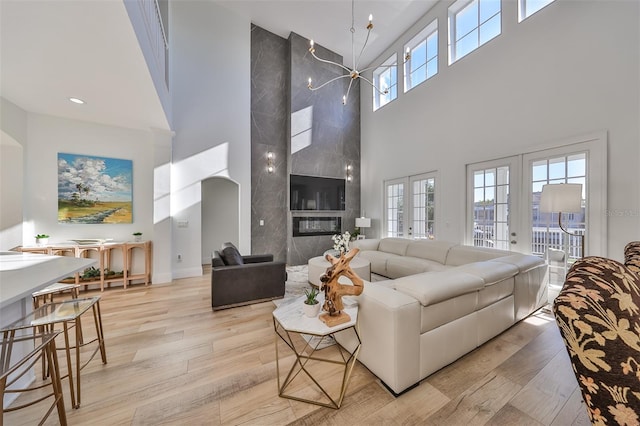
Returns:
point(318, 266)
point(290, 325)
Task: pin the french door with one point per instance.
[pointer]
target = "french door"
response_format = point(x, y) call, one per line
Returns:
point(492, 203)
point(503, 198)
point(410, 206)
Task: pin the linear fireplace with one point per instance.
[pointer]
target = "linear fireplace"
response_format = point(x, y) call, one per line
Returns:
point(304, 226)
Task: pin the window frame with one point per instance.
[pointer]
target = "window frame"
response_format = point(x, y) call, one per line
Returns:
point(454, 10)
point(404, 182)
point(423, 36)
point(390, 64)
point(407, 215)
point(522, 8)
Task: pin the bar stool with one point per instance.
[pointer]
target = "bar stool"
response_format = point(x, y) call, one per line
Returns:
point(44, 346)
point(45, 295)
point(68, 313)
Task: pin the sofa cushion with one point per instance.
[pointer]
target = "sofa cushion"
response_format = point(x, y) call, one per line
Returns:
point(430, 249)
point(495, 292)
point(461, 255)
point(365, 244)
point(438, 314)
point(394, 245)
point(231, 256)
point(490, 272)
point(378, 260)
point(523, 262)
point(434, 287)
point(401, 266)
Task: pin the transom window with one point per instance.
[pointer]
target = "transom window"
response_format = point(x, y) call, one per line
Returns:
point(472, 23)
point(421, 57)
point(527, 8)
point(385, 78)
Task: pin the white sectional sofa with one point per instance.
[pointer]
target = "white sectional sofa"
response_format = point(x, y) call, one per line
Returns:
point(441, 301)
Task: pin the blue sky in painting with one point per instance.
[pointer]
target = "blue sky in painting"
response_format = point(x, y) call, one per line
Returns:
point(108, 179)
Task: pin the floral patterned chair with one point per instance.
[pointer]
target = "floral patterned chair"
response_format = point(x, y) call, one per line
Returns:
point(598, 313)
point(632, 256)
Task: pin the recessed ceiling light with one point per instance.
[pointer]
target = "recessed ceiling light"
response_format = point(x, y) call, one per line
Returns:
point(76, 101)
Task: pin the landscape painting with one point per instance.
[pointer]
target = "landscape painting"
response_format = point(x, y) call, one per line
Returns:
point(94, 190)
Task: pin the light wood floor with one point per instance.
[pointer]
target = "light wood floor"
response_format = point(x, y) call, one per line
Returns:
point(172, 360)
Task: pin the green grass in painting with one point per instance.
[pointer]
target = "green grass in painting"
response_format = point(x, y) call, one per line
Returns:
point(68, 210)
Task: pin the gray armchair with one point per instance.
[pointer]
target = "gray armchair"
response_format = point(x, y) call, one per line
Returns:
point(256, 278)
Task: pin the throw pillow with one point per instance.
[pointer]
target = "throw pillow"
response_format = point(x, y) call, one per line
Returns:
point(231, 256)
point(228, 244)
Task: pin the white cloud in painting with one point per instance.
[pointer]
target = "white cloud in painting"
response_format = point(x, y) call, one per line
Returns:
point(94, 178)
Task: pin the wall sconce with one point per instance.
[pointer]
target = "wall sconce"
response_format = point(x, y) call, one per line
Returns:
point(349, 172)
point(270, 157)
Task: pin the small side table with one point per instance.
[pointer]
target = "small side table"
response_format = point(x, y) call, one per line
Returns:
point(307, 339)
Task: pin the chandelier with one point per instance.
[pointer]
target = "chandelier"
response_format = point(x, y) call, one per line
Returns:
point(352, 73)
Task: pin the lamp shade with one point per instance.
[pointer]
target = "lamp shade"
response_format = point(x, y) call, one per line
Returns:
point(561, 197)
point(363, 222)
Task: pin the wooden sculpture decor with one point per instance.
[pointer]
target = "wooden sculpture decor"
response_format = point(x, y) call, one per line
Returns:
point(333, 290)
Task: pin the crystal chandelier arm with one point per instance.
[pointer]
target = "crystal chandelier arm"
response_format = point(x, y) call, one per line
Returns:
point(329, 62)
point(330, 81)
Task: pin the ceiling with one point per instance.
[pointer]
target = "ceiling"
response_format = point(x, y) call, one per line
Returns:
point(53, 50)
point(328, 22)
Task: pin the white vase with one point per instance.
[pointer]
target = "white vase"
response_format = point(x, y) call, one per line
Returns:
point(311, 310)
point(42, 241)
point(137, 238)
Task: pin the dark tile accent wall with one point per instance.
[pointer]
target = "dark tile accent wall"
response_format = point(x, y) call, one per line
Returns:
point(269, 111)
point(279, 73)
point(335, 138)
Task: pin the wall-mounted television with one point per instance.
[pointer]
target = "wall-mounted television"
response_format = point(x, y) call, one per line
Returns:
point(316, 193)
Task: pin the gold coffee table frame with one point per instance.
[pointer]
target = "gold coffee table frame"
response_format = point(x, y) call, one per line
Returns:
point(308, 351)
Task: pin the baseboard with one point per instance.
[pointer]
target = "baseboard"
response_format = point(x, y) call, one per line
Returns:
point(187, 273)
point(162, 278)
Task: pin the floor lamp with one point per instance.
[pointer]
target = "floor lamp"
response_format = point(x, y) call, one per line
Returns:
point(563, 198)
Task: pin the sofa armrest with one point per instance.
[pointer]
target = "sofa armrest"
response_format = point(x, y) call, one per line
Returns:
point(389, 325)
point(237, 284)
point(257, 258)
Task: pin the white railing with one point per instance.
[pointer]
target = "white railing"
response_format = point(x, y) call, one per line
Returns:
point(156, 33)
point(555, 238)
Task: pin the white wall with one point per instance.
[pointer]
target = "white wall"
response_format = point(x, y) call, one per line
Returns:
point(568, 70)
point(219, 219)
point(210, 86)
point(162, 235)
point(11, 190)
point(13, 139)
point(49, 136)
